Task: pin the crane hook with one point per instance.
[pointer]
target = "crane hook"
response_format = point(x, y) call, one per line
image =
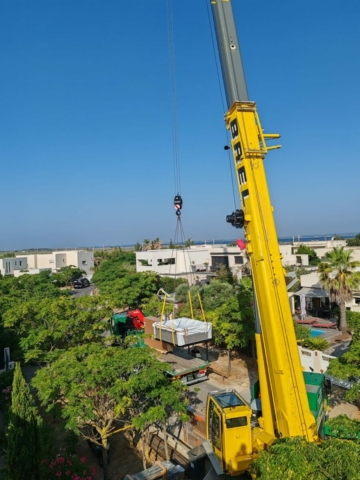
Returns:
point(178, 202)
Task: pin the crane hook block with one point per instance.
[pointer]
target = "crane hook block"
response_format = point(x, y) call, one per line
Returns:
point(178, 202)
point(236, 219)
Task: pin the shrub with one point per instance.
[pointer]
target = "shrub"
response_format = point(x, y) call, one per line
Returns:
point(6, 379)
point(302, 333)
point(316, 343)
point(71, 467)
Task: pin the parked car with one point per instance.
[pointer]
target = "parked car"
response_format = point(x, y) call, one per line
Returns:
point(81, 283)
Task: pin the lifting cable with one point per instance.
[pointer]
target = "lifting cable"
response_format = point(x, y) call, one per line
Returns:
point(174, 107)
point(178, 202)
point(222, 101)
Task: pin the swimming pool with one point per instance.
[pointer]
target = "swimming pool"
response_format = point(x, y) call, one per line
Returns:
point(315, 332)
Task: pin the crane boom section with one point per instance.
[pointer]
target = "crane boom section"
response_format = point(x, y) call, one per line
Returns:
point(286, 387)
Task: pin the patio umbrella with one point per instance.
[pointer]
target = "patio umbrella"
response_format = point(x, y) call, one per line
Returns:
point(303, 306)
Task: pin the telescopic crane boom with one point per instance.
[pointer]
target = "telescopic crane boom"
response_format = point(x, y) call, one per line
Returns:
point(284, 397)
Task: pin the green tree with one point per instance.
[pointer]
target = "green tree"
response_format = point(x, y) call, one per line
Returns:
point(67, 275)
point(295, 458)
point(27, 287)
point(224, 274)
point(23, 432)
point(338, 275)
point(347, 367)
point(146, 244)
point(215, 294)
point(302, 333)
point(157, 243)
point(104, 390)
point(304, 250)
point(154, 306)
point(138, 247)
point(169, 284)
point(234, 322)
point(114, 267)
point(171, 244)
point(354, 242)
point(131, 290)
point(189, 242)
point(344, 427)
point(212, 296)
point(53, 325)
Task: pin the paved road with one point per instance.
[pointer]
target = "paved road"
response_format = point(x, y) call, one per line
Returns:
point(211, 385)
point(81, 292)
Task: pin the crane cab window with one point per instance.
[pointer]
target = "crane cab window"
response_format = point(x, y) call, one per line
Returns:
point(228, 400)
point(215, 430)
point(236, 422)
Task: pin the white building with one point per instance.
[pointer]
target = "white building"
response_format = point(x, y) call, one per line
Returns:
point(197, 263)
point(8, 266)
point(54, 261)
point(316, 296)
point(290, 257)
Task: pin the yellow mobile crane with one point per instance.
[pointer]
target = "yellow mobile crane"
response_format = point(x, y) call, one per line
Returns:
point(293, 403)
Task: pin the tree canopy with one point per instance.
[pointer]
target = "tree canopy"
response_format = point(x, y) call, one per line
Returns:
point(50, 326)
point(23, 432)
point(103, 390)
point(67, 275)
point(338, 275)
point(131, 290)
point(113, 265)
point(295, 458)
point(354, 242)
point(305, 250)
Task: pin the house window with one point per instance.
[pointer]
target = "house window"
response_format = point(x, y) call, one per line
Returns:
point(15, 263)
point(357, 300)
point(166, 261)
point(20, 263)
point(298, 260)
point(239, 260)
point(84, 262)
point(144, 263)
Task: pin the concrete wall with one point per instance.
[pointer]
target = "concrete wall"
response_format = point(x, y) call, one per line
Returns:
point(57, 260)
point(60, 260)
point(82, 259)
point(310, 280)
point(290, 258)
point(193, 263)
point(172, 261)
point(31, 271)
point(315, 359)
point(9, 265)
point(46, 260)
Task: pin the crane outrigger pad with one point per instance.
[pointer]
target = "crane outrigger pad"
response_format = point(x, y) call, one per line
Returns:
point(183, 331)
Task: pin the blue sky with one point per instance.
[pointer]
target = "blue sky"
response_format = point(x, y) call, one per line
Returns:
point(85, 119)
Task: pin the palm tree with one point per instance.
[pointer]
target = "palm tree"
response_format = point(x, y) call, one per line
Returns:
point(338, 275)
point(189, 242)
point(146, 244)
point(157, 243)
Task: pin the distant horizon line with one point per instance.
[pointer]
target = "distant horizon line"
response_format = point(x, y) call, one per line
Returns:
point(212, 241)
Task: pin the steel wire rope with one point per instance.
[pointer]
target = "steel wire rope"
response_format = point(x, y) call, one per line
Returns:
point(183, 240)
point(179, 231)
point(222, 100)
point(174, 107)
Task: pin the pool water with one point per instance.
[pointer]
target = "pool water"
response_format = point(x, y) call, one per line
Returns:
point(315, 332)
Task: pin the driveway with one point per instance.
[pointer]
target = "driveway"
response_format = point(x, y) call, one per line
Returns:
point(81, 292)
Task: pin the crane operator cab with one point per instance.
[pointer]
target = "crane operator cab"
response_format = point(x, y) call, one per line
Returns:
point(228, 430)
